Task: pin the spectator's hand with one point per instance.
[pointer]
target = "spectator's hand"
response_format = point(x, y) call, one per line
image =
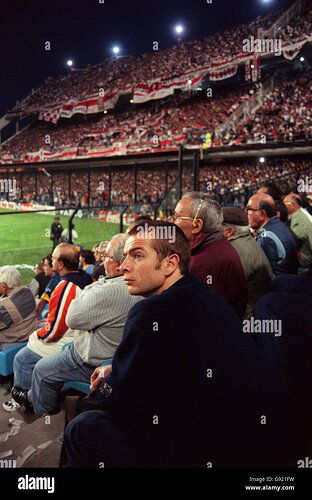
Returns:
point(99, 373)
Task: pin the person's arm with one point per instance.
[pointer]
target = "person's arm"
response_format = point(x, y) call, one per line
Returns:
point(5, 317)
point(87, 311)
point(304, 234)
point(135, 374)
point(41, 305)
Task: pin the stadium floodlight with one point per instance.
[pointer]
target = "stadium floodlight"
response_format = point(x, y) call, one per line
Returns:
point(116, 50)
point(69, 62)
point(261, 159)
point(301, 59)
point(179, 29)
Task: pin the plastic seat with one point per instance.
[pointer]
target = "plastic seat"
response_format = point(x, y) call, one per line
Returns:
point(7, 357)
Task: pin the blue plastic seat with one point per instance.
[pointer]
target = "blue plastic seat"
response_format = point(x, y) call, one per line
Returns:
point(7, 357)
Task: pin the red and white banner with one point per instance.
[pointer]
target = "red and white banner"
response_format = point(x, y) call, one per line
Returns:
point(290, 52)
point(222, 74)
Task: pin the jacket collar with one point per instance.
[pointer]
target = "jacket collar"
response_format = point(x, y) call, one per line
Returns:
point(204, 238)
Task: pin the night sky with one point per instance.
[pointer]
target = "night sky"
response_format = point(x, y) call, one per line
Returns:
point(86, 31)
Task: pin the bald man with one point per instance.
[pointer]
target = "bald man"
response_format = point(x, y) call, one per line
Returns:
point(301, 225)
point(272, 235)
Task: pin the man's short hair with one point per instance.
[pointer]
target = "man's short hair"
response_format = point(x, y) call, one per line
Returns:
point(269, 209)
point(49, 259)
point(273, 189)
point(10, 276)
point(164, 246)
point(88, 256)
point(69, 255)
point(295, 198)
point(118, 246)
point(210, 211)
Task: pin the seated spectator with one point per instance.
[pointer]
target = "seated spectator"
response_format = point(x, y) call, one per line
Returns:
point(255, 263)
point(271, 188)
point(301, 225)
point(17, 308)
point(86, 261)
point(214, 261)
point(150, 417)
point(53, 280)
point(99, 252)
point(281, 212)
point(272, 235)
point(40, 280)
point(98, 316)
point(54, 334)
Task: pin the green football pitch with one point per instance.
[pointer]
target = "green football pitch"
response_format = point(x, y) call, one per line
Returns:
point(24, 238)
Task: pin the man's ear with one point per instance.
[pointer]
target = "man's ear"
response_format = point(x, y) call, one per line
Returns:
point(172, 264)
point(197, 226)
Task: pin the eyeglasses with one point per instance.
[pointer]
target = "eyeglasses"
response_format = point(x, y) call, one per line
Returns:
point(176, 217)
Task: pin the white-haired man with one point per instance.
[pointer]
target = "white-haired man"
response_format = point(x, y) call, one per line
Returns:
point(17, 308)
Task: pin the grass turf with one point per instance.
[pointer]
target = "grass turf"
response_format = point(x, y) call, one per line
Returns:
point(24, 238)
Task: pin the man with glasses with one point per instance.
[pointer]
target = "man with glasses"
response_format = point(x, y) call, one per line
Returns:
point(213, 259)
point(272, 235)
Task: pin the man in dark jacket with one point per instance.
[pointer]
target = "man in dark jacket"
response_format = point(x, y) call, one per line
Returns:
point(56, 232)
point(186, 386)
point(213, 259)
point(272, 235)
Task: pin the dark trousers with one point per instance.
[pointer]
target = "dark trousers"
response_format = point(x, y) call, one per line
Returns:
point(92, 440)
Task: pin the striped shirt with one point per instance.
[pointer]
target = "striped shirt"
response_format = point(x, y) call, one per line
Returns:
point(98, 317)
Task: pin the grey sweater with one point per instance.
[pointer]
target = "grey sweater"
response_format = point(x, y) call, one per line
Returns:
point(99, 314)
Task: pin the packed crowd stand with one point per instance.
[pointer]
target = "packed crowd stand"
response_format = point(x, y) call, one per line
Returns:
point(132, 314)
point(230, 182)
point(118, 73)
point(285, 114)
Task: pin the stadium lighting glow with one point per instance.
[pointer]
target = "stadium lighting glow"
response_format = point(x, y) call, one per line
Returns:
point(262, 160)
point(116, 50)
point(301, 59)
point(179, 29)
point(69, 62)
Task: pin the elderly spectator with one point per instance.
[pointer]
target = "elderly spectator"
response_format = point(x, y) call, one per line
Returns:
point(301, 225)
point(214, 261)
point(272, 235)
point(54, 334)
point(17, 308)
point(149, 417)
point(98, 316)
point(255, 263)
